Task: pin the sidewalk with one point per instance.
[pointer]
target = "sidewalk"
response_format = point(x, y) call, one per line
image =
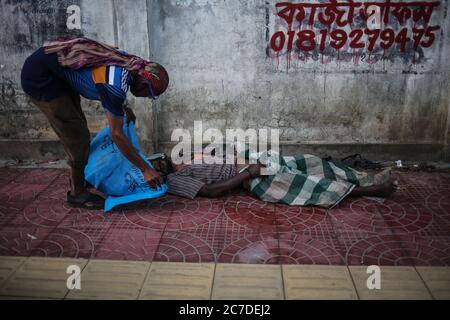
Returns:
point(46, 278)
point(410, 229)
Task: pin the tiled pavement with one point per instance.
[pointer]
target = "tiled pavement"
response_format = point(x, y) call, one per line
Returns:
point(410, 229)
point(46, 278)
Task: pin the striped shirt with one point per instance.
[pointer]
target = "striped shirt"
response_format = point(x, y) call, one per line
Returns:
point(106, 84)
point(44, 79)
point(189, 181)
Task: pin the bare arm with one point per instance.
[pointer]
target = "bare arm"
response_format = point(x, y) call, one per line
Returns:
point(220, 188)
point(124, 145)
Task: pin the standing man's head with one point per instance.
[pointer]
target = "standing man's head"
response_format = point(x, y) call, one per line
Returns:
point(151, 81)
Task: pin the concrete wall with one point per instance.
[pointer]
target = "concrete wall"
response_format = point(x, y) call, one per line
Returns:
point(224, 72)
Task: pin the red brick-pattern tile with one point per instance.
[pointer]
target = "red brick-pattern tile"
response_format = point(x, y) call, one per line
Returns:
point(439, 203)
point(42, 213)
point(188, 214)
point(378, 250)
point(148, 215)
point(184, 247)
point(360, 213)
point(297, 248)
point(57, 189)
point(78, 218)
point(262, 248)
point(10, 211)
point(410, 228)
point(20, 192)
point(38, 176)
point(9, 174)
point(426, 251)
point(128, 244)
point(67, 243)
point(21, 240)
point(251, 213)
point(299, 219)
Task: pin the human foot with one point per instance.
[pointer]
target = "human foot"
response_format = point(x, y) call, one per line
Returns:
point(382, 177)
point(85, 200)
point(385, 190)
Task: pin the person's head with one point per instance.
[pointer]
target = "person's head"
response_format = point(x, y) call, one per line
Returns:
point(150, 82)
point(162, 164)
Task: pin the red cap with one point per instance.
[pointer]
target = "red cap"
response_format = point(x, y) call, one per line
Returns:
point(158, 77)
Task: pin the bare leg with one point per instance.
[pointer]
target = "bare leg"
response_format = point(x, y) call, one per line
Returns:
point(77, 183)
point(382, 190)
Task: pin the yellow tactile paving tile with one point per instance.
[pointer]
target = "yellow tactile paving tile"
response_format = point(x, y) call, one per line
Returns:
point(178, 281)
point(437, 280)
point(309, 282)
point(111, 280)
point(397, 283)
point(24, 298)
point(46, 278)
point(248, 282)
point(40, 278)
point(7, 267)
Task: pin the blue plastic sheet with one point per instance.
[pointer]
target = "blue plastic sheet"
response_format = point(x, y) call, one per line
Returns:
point(112, 174)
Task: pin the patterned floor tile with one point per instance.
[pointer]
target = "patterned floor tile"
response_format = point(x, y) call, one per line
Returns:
point(128, 244)
point(20, 192)
point(21, 240)
point(78, 218)
point(378, 250)
point(426, 251)
point(58, 188)
point(66, 243)
point(9, 174)
point(193, 214)
point(38, 176)
point(362, 214)
point(439, 204)
point(251, 213)
point(298, 219)
point(42, 213)
point(299, 248)
point(410, 228)
point(10, 211)
point(148, 215)
point(184, 247)
point(252, 249)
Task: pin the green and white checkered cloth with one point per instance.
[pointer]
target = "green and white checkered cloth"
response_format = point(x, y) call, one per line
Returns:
point(307, 180)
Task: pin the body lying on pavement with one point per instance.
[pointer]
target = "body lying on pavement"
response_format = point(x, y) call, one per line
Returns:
point(304, 180)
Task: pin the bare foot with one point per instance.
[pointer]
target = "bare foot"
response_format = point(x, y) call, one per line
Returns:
point(386, 189)
point(382, 177)
point(383, 190)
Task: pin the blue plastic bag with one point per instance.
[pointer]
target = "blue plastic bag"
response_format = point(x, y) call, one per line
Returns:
point(114, 175)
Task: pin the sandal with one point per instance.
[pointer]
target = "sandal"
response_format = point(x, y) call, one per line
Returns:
point(86, 200)
point(357, 161)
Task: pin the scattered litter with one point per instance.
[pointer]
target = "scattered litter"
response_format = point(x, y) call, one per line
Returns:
point(376, 199)
point(399, 164)
point(32, 237)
